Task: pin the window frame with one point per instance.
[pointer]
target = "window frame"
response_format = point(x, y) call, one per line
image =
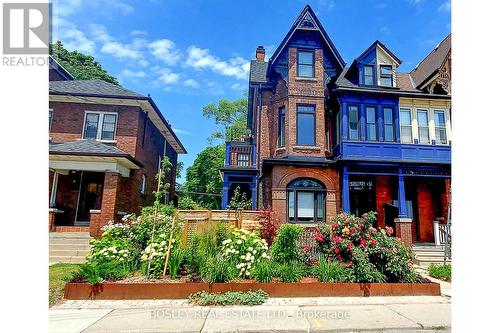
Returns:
point(281, 126)
point(349, 122)
point(440, 127)
point(100, 123)
point(386, 76)
point(401, 125)
point(300, 64)
point(51, 116)
point(384, 124)
point(297, 130)
point(427, 126)
point(294, 191)
point(247, 160)
point(374, 123)
point(142, 189)
point(373, 75)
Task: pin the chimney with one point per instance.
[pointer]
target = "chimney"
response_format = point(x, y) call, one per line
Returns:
point(260, 53)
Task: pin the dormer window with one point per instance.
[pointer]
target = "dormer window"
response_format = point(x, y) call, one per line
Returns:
point(368, 75)
point(305, 64)
point(386, 76)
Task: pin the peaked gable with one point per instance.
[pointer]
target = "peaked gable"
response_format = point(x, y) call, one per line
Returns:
point(307, 21)
point(432, 63)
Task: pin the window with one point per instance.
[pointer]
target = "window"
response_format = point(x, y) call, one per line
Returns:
point(405, 122)
point(423, 126)
point(440, 126)
point(143, 184)
point(281, 127)
point(50, 118)
point(306, 120)
point(99, 126)
point(388, 125)
point(368, 75)
point(371, 124)
point(353, 122)
point(243, 159)
point(305, 62)
point(386, 76)
point(306, 201)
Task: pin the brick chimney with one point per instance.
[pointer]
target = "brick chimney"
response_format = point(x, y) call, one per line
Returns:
point(260, 53)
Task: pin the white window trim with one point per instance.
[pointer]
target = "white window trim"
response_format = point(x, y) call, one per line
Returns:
point(446, 123)
point(100, 124)
point(51, 110)
point(429, 114)
point(411, 125)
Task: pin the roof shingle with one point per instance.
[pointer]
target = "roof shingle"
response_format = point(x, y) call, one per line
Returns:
point(432, 62)
point(258, 71)
point(90, 87)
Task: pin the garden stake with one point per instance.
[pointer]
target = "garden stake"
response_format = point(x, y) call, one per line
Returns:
point(169, 247)
point(154, 224)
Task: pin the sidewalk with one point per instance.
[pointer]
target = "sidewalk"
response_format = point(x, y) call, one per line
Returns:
point(318, 314)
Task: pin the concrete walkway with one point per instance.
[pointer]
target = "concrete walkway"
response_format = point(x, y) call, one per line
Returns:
point(318, 314)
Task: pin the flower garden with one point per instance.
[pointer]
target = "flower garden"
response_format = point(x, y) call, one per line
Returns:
point(346, 256)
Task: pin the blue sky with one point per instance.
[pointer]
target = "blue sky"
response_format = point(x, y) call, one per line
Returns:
point(186, 54)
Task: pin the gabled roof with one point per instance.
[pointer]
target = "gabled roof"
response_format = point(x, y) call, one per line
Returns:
point(55, 65)
point(258, 71)
point(90, 88)
point(307, 20)
point(375, 44)
point(432, 62)
point(87, 147)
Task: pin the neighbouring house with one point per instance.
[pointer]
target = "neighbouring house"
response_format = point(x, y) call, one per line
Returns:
point(105, 148)
point(328, 137)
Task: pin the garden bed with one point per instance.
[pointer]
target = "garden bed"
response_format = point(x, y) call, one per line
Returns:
point(159, 290)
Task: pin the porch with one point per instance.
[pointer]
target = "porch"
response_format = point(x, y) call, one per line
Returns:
point(84, 187)
point(413, 200)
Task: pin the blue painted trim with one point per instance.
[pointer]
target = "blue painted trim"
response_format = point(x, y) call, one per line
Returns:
point(362, 120)
point(401, 195)
point(346, 204)
point(228, 154)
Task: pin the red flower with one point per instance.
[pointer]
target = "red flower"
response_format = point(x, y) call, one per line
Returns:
point(339, 257)
point(352, 229)
point(334, 226)
point(362, 243)
point(319, 238)
point(307, 248)
point(350, 246)
point(374, 242)
point(336, 250)
point(349, 264)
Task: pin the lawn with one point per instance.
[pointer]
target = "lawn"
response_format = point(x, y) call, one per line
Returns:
point(59, 274)
point(442, 272)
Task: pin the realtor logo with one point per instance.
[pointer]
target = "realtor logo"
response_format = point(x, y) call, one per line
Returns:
point(26, 28)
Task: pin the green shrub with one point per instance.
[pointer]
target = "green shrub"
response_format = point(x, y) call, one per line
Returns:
point(174, 262)
point(442, 272)
point(229, 298)
point(217, 269)
point(332, 271)
point(263, 271)
point(290, 271)
point(363, 270)
point(97, 273)
point(285, 248)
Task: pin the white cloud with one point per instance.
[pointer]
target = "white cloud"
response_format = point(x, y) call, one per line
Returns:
point(121, 51)
point(166, 76)
point(138, 33)
point(445, 6)
point(191, 83)
point(72, 37)
point(239, 86)
point(164, 49)
point(180, 131)
point(132, 74)
point(385, 29)
point(117, 49)
point(202, 59)
point(123, 7)
point(327, 4)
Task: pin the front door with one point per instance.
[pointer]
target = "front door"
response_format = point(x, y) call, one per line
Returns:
point(90, 196)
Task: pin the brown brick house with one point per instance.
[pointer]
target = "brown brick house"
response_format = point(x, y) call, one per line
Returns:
point(105, 146)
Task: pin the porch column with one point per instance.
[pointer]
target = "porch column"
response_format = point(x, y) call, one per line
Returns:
point(346, 203)
point(403, 223)
point(254, 193)
point(344, 121)
point(225, 194)
point(108, 205)
point(53, 192)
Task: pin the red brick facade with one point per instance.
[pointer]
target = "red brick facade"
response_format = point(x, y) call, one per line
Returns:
point(383, 193)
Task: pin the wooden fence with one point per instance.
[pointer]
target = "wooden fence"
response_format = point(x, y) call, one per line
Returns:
point(241, 219)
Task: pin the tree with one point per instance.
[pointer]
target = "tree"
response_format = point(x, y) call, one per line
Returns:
point(203, 182)
point(231, 115)
point(178, 169)
point(81, 66)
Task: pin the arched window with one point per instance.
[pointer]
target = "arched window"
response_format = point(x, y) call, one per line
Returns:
point(306, 201)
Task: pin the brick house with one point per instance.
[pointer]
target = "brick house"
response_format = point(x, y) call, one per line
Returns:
point(105, 148)
point(329, 137)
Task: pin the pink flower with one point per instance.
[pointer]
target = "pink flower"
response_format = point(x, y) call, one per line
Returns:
point(319, 237)
point(350, 246)
point(307, 248)
point(362, 243)
point(389, 230)
point(345, 231)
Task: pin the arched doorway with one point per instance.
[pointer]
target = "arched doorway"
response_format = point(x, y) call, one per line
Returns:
point(306, 201)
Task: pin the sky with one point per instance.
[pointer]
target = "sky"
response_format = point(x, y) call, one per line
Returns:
point(188, 53)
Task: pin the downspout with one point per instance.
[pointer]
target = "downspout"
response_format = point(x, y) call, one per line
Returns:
point(258, 146)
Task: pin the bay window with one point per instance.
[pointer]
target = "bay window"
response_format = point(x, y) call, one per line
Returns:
point(306, 201)
point(405, 123)
point(306, 124)
point(371, 124)
point(388, 125)
point(440, 127)
point(243, 159)
point(305, 64)
point(99, 126)
point(423, 126)
point(353, 122)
